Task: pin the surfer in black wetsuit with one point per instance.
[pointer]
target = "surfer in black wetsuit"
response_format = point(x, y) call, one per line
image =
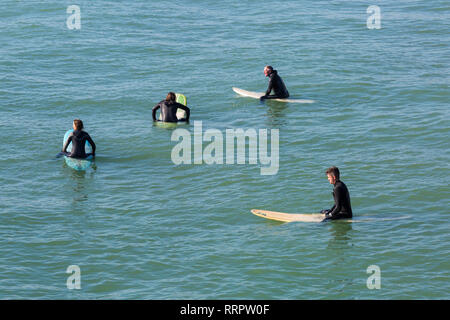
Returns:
point(276, 85)
point(169, 109)
point(342, 207)
point(78, 138)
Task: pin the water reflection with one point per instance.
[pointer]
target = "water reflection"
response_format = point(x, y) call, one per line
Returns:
point(77, 190)
point(78, 184)
point(340, 235)
point(339, 257)
point(276, 112)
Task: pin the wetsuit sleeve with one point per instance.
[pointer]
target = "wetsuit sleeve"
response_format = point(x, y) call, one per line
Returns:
point(339, 195)
point(92, 143)
point(188, 111)
point(69, 139)
point(269, 88)
point(154, 111)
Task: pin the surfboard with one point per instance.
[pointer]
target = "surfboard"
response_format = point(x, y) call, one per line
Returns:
point(312, 217)
point(181, 114)
point(258, 95)
point(288, 217)
point(77, 164)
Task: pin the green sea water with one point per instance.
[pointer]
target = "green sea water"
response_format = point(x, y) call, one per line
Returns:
point(140, 227)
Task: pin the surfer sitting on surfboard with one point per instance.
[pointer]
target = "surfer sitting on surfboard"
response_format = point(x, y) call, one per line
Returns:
point(78, 138)
point(276, 84)
point(342, 207)
point(169, 109)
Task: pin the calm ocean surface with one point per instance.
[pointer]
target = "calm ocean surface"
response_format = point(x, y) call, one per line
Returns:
point(140, 227)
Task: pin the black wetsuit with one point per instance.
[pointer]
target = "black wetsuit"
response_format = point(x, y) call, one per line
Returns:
point(342, 207)
point(169, 111)
point(277, 85)
point(78, 139)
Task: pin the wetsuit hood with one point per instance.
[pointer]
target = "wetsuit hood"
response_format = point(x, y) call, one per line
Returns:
point(274, 72)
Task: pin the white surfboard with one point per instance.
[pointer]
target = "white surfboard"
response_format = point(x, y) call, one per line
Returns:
point(312, 217)
point(258, 95)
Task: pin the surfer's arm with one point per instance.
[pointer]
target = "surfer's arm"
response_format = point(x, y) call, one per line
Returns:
point(188, 111)
point(69, 139)
point(269, 88)
point(92, 144)
point(326, 211)
point(154, 111)
point(336, 209)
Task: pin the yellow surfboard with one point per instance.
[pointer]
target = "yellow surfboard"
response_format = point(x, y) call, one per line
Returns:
point(314, 217)
point(288, 217)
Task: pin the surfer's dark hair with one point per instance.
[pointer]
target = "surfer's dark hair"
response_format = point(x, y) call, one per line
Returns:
point(270, 68)
point(78, 124)
point(171, 97)
point(334, 171)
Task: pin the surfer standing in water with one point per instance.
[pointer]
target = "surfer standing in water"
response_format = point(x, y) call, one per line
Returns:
point(78, 137)
point(169, 109)
point(276, 84)
point(342, 207)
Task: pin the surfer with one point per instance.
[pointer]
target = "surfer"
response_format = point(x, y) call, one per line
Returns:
point(169, 109)
point(342, 207)
point(276, 84)
point(78, 138)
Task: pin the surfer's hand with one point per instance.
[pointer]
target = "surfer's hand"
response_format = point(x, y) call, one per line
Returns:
point(262, 98)
point(325, 211)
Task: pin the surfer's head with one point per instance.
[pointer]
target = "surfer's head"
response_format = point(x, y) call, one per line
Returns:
point(332, 174)
point(268, 70)
point(171, 97)
point(78, 125)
